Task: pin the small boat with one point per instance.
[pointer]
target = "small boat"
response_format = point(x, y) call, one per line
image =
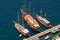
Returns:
point(20, 35)
point(55, 30)
point(30, 20)
point(21, 28)
point(47, 37)
point(44, 21)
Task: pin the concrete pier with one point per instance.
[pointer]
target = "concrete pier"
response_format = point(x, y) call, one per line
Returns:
point(43, 33)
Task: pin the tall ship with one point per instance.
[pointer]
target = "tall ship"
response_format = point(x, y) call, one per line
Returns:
point(21, 28)
point(30, 20)
point(43, 20)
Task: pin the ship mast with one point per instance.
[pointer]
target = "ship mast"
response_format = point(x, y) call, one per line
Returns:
point(22, 21)
point(24, 5)
point(29, 7)
point(45, 15)
point(40, 12)
point(18, 15)
point(33, 12)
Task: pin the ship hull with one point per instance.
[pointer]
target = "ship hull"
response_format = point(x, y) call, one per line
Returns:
point(21, 29)
point(45, 23)
point(30, 21)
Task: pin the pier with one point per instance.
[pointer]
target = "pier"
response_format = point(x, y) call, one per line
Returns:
point(43, 33)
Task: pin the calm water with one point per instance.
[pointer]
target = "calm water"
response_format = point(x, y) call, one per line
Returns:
point(8, 14)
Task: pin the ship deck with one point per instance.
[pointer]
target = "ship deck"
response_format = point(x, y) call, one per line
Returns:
point(43, 33)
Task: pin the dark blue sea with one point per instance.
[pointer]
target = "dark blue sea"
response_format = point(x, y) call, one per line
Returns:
point(8, 14)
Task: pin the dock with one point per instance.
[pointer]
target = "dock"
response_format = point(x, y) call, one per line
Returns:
point(43, 33)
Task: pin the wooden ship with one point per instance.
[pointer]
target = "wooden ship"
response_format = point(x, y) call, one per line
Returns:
point(30, 20)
